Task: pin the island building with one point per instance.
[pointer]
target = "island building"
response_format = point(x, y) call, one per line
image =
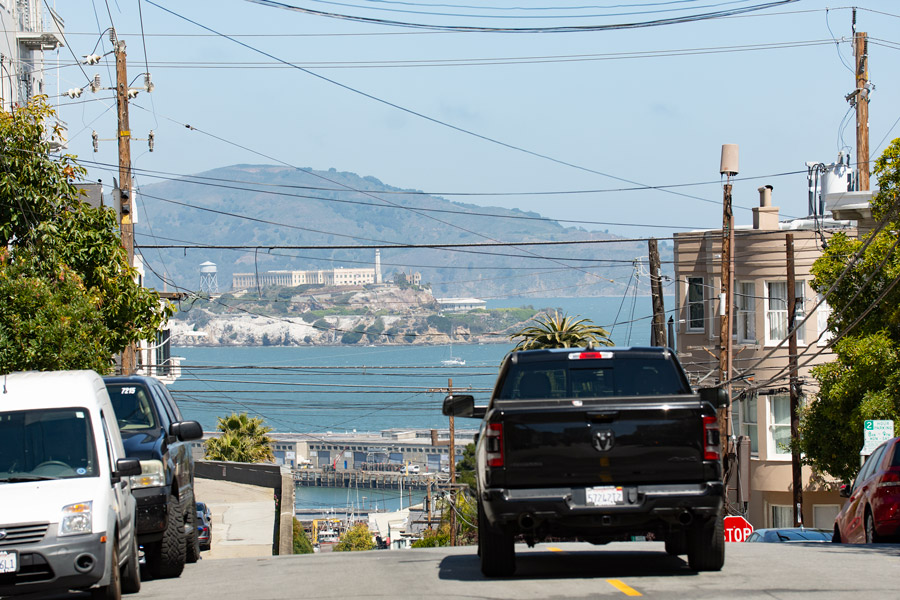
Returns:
point(324, 277)
point(760, 397)
point(460, 304)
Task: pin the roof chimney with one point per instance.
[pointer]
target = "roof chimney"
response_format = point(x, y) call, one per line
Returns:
point(766, 216)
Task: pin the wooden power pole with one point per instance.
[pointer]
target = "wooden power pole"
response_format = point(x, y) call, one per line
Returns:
point(658, 326)
point(452, 471)
point(860, 96)
point(125, 204)
point(729, 168)
point(796, 467)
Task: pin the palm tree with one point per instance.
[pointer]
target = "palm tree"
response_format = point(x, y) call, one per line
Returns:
point(243, 439)
point(560, 331)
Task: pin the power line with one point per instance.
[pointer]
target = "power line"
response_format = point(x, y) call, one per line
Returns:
point(424, 116)
point(519, 30)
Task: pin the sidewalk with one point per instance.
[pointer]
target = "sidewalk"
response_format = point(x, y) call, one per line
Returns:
point(243, 518)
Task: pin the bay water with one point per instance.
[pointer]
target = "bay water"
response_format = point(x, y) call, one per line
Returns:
point(317, 389)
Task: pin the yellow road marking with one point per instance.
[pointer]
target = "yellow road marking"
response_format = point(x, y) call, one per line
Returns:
point(552, 549)
point(623, 587)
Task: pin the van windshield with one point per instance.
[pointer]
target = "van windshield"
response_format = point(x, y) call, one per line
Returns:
point(133, 407)
point(41, 444)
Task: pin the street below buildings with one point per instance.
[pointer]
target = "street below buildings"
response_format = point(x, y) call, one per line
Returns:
point(571, 570)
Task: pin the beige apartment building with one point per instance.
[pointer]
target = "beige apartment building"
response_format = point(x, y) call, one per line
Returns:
point(761, 407)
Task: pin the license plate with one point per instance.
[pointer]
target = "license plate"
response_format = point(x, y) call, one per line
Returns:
point(9, 561)
point(605, 496)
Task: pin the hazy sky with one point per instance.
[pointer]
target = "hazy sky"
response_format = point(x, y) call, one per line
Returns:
point(630, 107)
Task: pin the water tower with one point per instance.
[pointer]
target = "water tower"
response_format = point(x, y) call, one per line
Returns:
point(209, 280)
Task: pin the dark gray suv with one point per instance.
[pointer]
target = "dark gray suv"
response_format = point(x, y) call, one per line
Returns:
point(154, 432)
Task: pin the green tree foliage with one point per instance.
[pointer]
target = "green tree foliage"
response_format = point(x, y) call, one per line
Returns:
point(73, 294)
point(864, 382)
point(439, 322)
point(351, 337)
point(355, 539)
point(302, 545)
point(465, 468)
point(560, 331)
point(466, 522)
point(434, 538)
point(243, 439)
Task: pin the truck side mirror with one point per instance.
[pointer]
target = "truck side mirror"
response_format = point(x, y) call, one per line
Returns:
point(845, 490)
point(459, 406)
point(186, 430)
point(716, 396)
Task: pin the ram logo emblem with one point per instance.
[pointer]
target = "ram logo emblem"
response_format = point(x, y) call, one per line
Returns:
point(604, 440)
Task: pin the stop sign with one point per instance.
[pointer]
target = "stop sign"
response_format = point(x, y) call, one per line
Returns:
point(737, 529)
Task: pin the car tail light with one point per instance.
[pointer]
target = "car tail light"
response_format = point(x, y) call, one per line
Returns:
point(494, 444)
point(589, 355)
point(711, 446)
point(890, 479)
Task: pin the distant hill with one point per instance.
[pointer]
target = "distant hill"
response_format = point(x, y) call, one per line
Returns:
point(286, 206)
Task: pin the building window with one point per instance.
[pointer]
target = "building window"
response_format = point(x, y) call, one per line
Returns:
point(748, 421)
point(782, 516)
point(777, 311)
point(696, 306)
point(780, 424)
point(745, 313)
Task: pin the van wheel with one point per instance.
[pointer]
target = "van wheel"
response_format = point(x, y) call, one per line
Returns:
point(131, 577)
point(706, 545)
point(113, 590)
point(498, 549)
point(166, 557)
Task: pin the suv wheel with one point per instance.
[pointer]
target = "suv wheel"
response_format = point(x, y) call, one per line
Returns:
point(706, 545)
point(166, 557)
point(498, 550)
point(192, 545)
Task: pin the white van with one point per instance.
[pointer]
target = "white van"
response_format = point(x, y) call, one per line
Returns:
point(67, 516)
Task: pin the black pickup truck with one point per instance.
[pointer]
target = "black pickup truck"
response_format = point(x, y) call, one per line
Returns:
point(597, 446)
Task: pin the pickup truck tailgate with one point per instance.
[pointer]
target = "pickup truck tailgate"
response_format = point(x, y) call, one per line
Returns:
point(614, 441)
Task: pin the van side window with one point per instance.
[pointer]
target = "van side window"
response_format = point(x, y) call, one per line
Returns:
point(110, 451)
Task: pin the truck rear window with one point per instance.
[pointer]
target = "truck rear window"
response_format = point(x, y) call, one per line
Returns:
point(592, 379)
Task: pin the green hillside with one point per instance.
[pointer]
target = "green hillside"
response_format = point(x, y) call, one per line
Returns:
point(276, 206)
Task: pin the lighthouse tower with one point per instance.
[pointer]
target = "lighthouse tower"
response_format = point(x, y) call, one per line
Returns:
point(377, 265)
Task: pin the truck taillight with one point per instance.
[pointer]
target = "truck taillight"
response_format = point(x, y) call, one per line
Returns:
point(494, 444)
point(711, 446)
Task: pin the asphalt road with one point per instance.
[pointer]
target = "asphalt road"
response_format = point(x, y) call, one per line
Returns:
point(572, 570)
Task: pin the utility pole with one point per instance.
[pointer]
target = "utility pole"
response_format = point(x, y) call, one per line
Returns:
point(860, 97)
point(124, 138)
point(658, 325)
point(452, 471)
point(796, 468)
point(729, 168)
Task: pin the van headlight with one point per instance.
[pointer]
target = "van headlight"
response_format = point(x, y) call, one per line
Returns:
point(152, 475)
point(76, 519)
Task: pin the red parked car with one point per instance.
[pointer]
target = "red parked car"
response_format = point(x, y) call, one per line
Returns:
point(872, 513)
